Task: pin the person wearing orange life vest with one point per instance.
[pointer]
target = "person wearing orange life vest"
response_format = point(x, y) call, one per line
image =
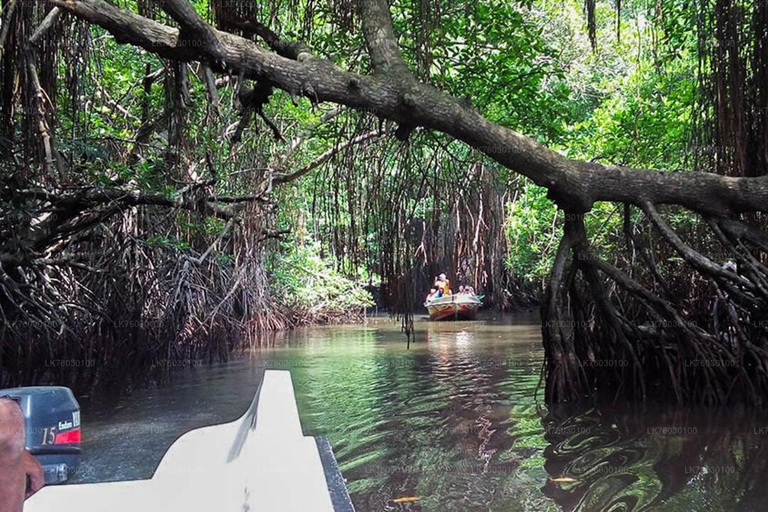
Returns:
point(443, 284)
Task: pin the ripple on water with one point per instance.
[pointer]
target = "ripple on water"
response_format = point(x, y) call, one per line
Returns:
point(453, 422)
point(437, 422)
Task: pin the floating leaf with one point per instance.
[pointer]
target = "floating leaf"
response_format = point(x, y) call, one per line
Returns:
point(406, 500)
point(563, 479)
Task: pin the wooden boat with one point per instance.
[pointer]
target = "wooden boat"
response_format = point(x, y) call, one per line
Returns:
point(454, 307)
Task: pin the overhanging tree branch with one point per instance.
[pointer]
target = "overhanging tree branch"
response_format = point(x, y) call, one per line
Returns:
point(194, 30)
point(288, 49)
point(69, 212)
point(574, 185)
point(380, 37)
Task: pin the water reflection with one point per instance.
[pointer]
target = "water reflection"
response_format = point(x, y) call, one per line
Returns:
point(452, 424)
point(622, 459)
point(451, 421)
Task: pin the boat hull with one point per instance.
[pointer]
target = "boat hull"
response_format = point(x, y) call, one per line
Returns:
point(454, 307)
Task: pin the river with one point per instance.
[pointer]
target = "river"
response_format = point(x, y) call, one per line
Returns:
point(452, 421)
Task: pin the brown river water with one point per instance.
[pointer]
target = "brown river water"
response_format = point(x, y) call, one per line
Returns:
point(454, 421)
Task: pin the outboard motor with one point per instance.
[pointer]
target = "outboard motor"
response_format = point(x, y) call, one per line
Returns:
point(52, 419)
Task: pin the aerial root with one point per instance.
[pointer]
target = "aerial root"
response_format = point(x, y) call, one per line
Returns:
point(708, 348)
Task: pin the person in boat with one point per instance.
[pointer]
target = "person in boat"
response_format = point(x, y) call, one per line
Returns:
point(443, 284)
point(21, 475)
point(462, 290)
point(434, 293)
point(469, 290)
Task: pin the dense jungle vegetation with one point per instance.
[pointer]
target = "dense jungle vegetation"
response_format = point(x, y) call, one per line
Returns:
point(169, 195)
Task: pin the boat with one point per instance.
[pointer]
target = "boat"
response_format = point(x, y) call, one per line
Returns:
point(261, 461)
point(454, 307)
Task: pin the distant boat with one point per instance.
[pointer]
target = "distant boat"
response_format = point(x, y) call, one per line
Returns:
point(454, 307)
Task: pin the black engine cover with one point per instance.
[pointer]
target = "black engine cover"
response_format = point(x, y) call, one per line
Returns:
point(52, 417)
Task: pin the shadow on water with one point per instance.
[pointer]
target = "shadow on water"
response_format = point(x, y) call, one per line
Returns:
point(632, 459)
point(452, 424)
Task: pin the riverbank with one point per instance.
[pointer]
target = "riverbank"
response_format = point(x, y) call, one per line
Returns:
point(169, 319)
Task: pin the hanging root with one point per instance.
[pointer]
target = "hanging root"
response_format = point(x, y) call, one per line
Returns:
point(696, 332)
point(564, 375)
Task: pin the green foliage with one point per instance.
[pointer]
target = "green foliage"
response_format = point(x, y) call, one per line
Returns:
point(533, 233)
point(165, 242)
point(311, 285)
point(646, 123)
point(630, 103)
